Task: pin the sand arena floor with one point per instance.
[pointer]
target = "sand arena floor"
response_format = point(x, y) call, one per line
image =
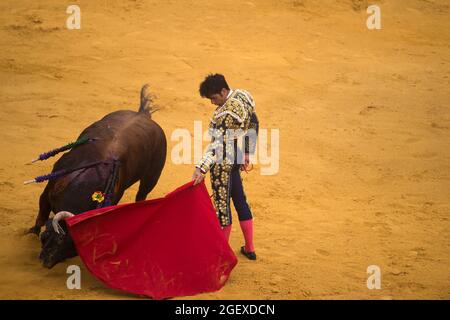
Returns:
point(364, 122)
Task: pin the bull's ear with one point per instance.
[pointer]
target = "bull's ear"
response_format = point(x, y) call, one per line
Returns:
point(44, 236)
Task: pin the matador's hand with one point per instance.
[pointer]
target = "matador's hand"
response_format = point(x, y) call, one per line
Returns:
point(198, 176)
point(246, 166)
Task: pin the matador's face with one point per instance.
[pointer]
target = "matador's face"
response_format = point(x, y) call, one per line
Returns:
point(219, 99)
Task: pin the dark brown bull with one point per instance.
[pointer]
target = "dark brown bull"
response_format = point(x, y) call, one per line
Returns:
point(124, 147)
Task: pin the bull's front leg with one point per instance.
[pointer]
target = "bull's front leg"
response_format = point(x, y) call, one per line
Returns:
point(44, 213)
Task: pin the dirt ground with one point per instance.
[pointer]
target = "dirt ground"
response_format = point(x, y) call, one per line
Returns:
point(363, 116)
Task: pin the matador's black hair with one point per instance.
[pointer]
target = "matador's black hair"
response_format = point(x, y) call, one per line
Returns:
point(213, 83)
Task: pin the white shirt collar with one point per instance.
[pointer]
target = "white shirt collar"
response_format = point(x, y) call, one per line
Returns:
point(228, 96)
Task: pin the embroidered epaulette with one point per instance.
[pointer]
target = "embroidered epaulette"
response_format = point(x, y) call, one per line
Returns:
point(244, 97)
point(239, 106)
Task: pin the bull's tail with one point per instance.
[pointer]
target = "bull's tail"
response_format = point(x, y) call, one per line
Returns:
point(147, 100)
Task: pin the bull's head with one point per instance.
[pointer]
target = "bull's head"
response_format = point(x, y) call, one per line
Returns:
point(57, 245)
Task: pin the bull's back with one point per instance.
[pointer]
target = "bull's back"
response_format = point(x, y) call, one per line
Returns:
point(130, 137)
point(125, 131)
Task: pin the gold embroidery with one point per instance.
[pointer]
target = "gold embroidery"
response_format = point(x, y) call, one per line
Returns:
point(234, 114)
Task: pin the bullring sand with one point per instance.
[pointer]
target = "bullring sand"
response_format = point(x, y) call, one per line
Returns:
point(363, 116)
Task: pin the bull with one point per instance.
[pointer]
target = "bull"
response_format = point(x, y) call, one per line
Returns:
point(120, 149)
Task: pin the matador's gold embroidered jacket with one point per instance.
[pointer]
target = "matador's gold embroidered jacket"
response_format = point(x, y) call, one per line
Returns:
point(230, 121)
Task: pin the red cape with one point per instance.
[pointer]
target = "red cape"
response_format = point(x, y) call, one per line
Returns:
point(167, 247)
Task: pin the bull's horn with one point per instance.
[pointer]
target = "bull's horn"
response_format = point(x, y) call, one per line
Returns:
point(60, 215)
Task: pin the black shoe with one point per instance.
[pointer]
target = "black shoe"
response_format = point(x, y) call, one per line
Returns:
point(249, 255)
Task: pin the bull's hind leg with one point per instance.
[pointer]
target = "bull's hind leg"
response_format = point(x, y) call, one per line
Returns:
point(146, 185)
point(44, 213)
point(151, 177)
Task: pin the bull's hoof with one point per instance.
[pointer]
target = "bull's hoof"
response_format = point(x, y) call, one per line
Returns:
point(36, 230)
